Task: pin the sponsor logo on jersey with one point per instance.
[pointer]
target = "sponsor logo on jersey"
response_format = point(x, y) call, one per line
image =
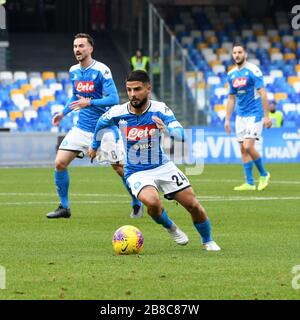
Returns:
point(122, 122)
point(139, 132)
point(239, 82)
point(85, 86)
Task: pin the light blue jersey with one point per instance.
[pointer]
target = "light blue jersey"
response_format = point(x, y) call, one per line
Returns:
point(93, 82)
point(141, 137)
point(244, 84)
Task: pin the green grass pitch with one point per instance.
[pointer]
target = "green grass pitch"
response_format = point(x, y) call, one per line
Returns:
point(73, 258)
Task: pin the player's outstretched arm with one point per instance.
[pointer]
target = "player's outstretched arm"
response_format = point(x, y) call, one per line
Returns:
point(264, 99)
point(174, 128)
point(159, 123)
point(81, 103)
point(229, 111)
point(57, 118)
point(92, 154)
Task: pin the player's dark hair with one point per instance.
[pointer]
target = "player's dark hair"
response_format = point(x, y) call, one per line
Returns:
point(139, 75)
point(239, 44)
point(87, 36)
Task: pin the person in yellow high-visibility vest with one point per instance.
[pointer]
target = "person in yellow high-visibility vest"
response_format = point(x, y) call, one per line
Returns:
point(156, 68)
point(139, 61)
point(276, 116)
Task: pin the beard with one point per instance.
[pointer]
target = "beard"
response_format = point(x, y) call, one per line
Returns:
point(138, 105)
point(240, 62)
point(80, 57)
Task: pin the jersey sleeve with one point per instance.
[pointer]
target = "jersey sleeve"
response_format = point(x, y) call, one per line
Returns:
point(168, 117)
point(174, 127)
point(257, 78)
point(67, 109)
point(111, 96)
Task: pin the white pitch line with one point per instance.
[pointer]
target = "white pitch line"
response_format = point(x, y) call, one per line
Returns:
point(21, 203)
point(208, 199)
point(202, 199)
point(239, 180)
point(33, 194)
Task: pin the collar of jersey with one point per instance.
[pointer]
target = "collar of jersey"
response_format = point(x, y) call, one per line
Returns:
point(245, 66)
point(88, 67)
point(141, 113)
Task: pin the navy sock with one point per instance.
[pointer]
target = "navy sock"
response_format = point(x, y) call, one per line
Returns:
point(204, 230)
point(134, 200)
point(164, 220)
point(62, 182)
point(260, 167)
point(248, 172)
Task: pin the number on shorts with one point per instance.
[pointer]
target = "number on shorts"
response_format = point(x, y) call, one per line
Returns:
point(114, 155)
point(176, 179)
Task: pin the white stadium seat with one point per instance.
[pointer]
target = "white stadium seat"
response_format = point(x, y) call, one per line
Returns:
point(55, 108)
point(30, 114)
point(20, 75)
point(6, 75)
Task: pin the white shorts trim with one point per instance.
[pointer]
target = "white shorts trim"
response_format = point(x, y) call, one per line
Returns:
point(248, 128)
point(78, 140)
point(166, 178)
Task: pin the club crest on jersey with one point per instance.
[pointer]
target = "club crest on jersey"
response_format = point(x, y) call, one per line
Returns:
point(85, 86)
point(139, 132)
point(239, 82)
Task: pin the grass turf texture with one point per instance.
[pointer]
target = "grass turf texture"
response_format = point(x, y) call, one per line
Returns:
point(73, 258)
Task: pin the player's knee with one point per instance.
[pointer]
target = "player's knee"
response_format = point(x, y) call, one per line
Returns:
point(195, 207)
point(153, 205)
point(243, 149)
point(247, 148)
point(60, 165)
point(118, 169)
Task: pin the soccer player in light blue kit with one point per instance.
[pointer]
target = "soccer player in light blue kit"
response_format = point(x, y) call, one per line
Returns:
point(147, 168)
point(246, 90)
point(90, 79)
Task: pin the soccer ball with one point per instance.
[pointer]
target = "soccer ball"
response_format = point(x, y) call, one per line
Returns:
point(128, 240)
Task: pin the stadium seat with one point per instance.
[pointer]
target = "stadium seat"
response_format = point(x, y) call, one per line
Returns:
point(289, 107)
point(30, 114)
point(46, 99)
point(36, 82)
point(6, 75)
point(11, 125)
point(276, 56)
point(280, 96)
point(289, 56)
point(293, 79)
point(36, 104)
point(25, 87)
point(20, 75)
point(3, 114)
point(56, 108)
point(15, 114)
point(276, 73)
point(296, 86)
point(213, 80)
point(44, 92)
point(48, 75)
point(62, 75)
point(20, 101)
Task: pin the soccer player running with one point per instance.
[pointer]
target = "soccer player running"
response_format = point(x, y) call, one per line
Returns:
point(90, 79)
point(147, 168)
point(247, 89)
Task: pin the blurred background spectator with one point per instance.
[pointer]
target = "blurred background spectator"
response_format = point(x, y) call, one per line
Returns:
point(275, 115)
